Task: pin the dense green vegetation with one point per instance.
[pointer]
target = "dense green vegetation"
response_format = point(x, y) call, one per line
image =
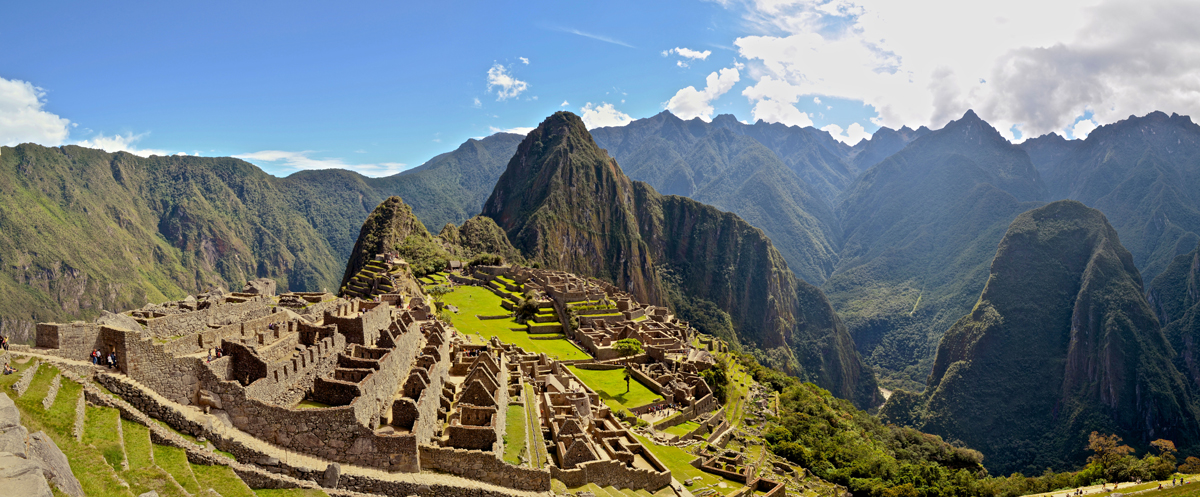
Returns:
point(1061, 342)
point(567, 205)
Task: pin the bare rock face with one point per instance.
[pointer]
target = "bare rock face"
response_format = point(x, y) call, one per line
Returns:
point(12, 434)
point(261, 286)
point(118, 321)
point(20, 476)
point(55, 466)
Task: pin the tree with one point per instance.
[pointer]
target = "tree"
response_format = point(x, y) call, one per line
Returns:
point(436, 292)
point(1166, 449)
point(628, 347)
point(1108, 450)
point(1190, 466)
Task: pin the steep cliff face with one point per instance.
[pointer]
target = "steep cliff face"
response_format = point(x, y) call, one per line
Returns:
point(565, 204)
point(1061, 342)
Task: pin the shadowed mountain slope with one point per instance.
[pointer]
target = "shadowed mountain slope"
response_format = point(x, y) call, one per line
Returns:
point(1142, 172)
point(724, 164)
point(920, 230)
point(1061, 342)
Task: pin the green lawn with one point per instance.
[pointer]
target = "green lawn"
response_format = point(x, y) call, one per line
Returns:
point(310, 404)
point(611, 387)
point(100, 430)
point(222, 479)
point(514, 433)
point(174, 461)
point(679, 462)
point(137, 444)
point(682, 428)
point(473, 300)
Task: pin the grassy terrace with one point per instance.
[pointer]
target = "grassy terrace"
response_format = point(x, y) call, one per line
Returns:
point(679, 462)
point(472, 301)
point(682, 428)
point(99, 461)
point(514, 433)
point(611, 387)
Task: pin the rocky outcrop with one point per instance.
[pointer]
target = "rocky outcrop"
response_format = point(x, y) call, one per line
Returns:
point(260, 286)
point(1061, 342)
point(54, 464)
point(20, 476)
point(28, 461)
point(567, 205)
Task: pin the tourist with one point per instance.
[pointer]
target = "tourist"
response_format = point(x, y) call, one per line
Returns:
point(96, 357)
point(5, 341)
point(9, 369)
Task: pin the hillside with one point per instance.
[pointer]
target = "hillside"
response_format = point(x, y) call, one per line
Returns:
point(1061, 342)
point(1142, 172)
point(88, 230)
point(567, 205)
point(724, 164)
point(920, 229)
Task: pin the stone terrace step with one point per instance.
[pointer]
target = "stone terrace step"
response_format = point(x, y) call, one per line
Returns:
point(310, 463)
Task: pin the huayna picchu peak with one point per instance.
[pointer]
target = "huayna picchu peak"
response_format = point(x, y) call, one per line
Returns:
point(567, 205)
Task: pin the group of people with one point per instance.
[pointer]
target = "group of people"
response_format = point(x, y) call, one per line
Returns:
point(9, 369)
point(99, 359)
point(216, 353)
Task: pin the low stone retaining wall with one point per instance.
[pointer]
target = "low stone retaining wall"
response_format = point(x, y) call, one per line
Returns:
point(484, 466)
point(614, 473)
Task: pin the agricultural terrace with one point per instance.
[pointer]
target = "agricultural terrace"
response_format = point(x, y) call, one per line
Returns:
point(473, 301)
point(611, 387)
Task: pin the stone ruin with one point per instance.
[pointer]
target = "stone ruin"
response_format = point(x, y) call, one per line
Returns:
point(381, 383)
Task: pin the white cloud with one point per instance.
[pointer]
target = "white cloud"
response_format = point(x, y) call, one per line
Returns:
point(22, 118)
point(477, 104)
point(507, 85)
point(565, 103)
point(681, 63)
point(124, 142)
point(688, 53)
point(523, 60)
point(1115, 57)
point(302, 160)
point(817, 100)
point(775, 102)
point(690, 103)
point(520, 130)
point(1083, 128)
point(854, 133)
point(596, 116)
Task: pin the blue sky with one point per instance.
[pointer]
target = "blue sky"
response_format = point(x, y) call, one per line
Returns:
point(385, 86)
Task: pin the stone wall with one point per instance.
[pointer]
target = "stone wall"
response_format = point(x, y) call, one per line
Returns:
point(612, 472)
point(69, 341)
point(486, 467)
point(186, 323)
